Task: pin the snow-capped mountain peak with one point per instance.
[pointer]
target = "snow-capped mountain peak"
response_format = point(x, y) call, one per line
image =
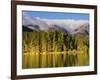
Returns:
point(67, 25)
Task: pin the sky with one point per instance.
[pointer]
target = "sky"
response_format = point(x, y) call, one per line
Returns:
point(44, 20)
point(57, 15)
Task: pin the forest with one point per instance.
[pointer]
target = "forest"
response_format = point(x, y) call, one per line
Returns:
point(48, 49)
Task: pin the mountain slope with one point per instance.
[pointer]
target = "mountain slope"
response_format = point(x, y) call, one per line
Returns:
point(67, 26)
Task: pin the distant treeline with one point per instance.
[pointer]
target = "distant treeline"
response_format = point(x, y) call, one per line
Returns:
point(54, 41)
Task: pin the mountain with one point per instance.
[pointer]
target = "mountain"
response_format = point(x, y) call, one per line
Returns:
point(31, 27)
point(83, 29)
point(58, 28)
point(66, 25)
point(35, 23)
point(25, 28)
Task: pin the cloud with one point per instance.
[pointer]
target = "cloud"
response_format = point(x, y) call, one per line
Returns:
point(44, 24)
point(69, 24)
point(26, 19)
